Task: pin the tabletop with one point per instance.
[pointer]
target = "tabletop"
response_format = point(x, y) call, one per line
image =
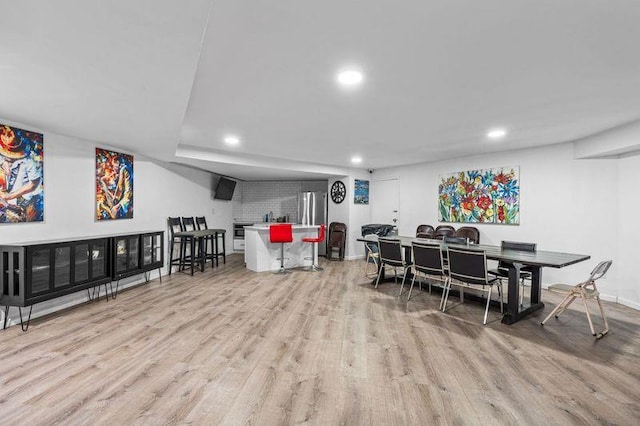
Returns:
point(538, 258)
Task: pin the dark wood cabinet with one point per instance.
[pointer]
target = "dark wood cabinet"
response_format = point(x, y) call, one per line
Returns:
point(137, 253)
point(35, 272)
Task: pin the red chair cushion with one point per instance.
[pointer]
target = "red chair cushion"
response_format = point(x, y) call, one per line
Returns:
point(282, 233)
point(317, 239)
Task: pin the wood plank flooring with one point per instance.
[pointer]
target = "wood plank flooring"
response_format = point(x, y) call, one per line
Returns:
point(229, 346)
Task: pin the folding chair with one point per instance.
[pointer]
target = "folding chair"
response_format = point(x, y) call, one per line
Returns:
point(584, 290)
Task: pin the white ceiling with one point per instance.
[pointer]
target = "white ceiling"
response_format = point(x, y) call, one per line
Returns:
point(168, 78)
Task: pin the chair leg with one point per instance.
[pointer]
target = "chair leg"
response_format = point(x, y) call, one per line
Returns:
point(486, 310)
point(445, 294)
point(444, 290)
point(366, 265)
point(586, 309)
point(413, 280)
point(380, 268)
point(604, 318)
point(404, 277)
point(314, 266)
point(282, 270)
point(558, 307)
point(566, 305)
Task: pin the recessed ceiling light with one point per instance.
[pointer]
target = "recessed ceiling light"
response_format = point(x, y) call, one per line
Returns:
point(356, 160)
point(496, 133)
point(350, 77)
point(231, 140)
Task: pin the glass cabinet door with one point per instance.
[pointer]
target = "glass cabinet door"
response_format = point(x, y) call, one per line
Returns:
point(81, 263)
point(134, 252)
point(98, 259)
point(62, 274)
point(147, 250)
point(40, 268)
point(157, 248)
point(121, 255)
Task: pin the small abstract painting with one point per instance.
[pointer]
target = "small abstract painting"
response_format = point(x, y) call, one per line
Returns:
point(361, 192)
point(480, 196)
point(21, 177)
point(114, 185)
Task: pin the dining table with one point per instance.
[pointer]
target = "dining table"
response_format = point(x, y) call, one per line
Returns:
point(199, 235)
point(514, 260)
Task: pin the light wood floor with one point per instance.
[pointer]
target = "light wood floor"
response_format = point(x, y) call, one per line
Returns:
point(230, 346)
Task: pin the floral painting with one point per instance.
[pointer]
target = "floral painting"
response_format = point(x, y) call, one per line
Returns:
point(361, 192)
point(21, 177)
point(480, 196)
point(114, 185)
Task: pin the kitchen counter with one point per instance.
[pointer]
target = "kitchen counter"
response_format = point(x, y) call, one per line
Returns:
point(260, 255)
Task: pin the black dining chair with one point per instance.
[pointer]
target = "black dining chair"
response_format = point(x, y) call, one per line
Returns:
point(502, 271)
point(471, 233)
point(468, 269)
point(428, 263)
point(444, 230)
point(189, 224)
point(209, 240)
point(454, 240)
point(175, 226)
point(390, 254)
point(425, 231)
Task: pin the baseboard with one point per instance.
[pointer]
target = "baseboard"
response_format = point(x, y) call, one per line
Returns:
point(354, 257)
point(629, 303)
point(608, 298)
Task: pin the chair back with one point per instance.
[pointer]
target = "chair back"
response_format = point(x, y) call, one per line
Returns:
point(469, 232)
point(600, 270)
point(201, 223)
point(337, 234)
point(427, 258)
point(443, 230)
point(281, 233)
point(321, 233)
point(425, 231)
point(390, 251)
point(516, 246)
point(468, 265)
point(454, 240)
point(175, 225)
point(188, 223)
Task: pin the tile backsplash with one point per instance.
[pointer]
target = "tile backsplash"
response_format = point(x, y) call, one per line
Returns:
point(252, 200)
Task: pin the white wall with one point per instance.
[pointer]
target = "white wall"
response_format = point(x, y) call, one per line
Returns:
point(353, 215)
point(577, 206)
point(629, 231)
point(160, 191)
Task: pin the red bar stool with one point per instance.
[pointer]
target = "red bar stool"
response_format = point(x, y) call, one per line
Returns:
point(280, 234)
point(315, 241)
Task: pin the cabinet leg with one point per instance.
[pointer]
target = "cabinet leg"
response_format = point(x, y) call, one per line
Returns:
point(25, 328)
point(6, 317)
point(94, 293)
point(160, 274)
point(114, 294)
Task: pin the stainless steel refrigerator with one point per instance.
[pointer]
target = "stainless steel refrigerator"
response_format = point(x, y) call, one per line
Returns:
point(312, 210)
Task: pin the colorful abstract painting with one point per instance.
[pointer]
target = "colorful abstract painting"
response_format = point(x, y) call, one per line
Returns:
point(480, 196)
point(361, 192)
point(114, 185)
point(21, 177)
